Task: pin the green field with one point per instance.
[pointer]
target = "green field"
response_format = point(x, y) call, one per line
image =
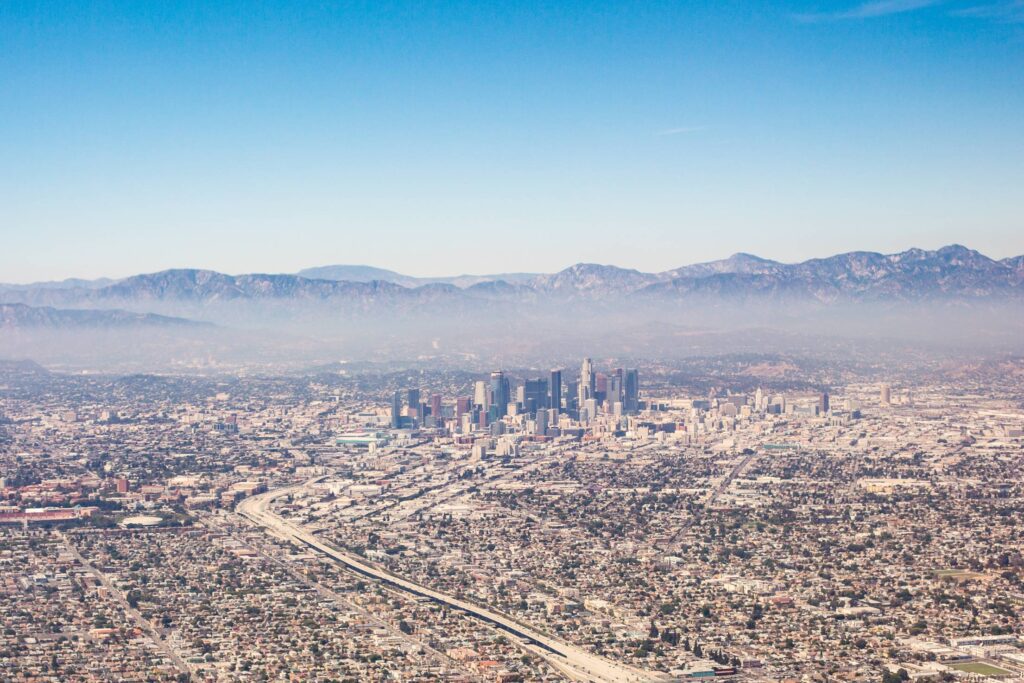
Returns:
point(980, 668)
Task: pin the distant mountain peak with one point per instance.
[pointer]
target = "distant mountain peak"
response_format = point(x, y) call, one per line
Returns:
point(744, 256)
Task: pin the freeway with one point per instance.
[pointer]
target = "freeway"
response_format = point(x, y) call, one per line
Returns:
point(576, 662)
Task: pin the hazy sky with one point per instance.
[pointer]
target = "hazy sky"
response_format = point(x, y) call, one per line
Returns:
point(435, 138)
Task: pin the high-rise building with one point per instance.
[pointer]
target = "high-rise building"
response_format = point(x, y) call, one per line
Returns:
point(616, 387)
point(462, 406)
point(587, 382)
point(885, 395)
point(631, 391)
point(542, 422)
point(413, 400)
point(480, 394)
point(555, 387)
point(535, 395)
point(435, 408)
point(499, 394)
point(823, 403)
point(396, 410)
point(600, 386)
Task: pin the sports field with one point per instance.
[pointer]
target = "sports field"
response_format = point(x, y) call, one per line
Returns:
point(980, 668)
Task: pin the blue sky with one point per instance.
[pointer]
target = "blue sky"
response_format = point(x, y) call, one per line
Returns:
point(435, 138)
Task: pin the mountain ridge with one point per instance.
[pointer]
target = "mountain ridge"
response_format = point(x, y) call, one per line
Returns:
point(953, 272)
point(20, 316)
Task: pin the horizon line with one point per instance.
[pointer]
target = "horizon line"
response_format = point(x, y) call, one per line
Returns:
point(525, 273)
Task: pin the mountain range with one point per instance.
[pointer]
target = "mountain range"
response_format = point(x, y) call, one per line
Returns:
point(20, 316)
point(950, 274)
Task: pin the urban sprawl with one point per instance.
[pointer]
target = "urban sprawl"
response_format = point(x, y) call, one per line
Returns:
point(586, 524)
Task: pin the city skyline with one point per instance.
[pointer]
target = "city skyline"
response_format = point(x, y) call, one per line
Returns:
point(512, 341)
point(734, 522)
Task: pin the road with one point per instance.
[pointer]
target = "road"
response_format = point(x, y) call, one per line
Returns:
point(712, 498)
point(135, 615)
point(213, 523)
point(576, 662)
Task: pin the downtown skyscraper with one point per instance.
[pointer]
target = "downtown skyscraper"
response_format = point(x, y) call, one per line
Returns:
point(555, 389)
point(588, 381)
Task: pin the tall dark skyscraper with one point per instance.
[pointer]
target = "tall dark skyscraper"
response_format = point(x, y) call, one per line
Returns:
point(631, 391)
point(396, 410)
point(555, 387)
point(413, 399)
point(535, 395)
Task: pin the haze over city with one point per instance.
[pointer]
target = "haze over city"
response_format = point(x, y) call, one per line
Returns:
point(512, 342)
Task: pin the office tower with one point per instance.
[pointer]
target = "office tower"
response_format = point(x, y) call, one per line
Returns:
point(413, 400)
point(616, 387)
point(396, 410)
point(759, 399)
point(572, 396)
point(435, 408)
point(535, 395)
point(499, 394)
point(462, 406)
point(480, 394)
point(885, 395)
point(600, 387)
point(587, 382)
point(555, 387)
point(542, 422)
point(823, 403)
point(631, 391)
